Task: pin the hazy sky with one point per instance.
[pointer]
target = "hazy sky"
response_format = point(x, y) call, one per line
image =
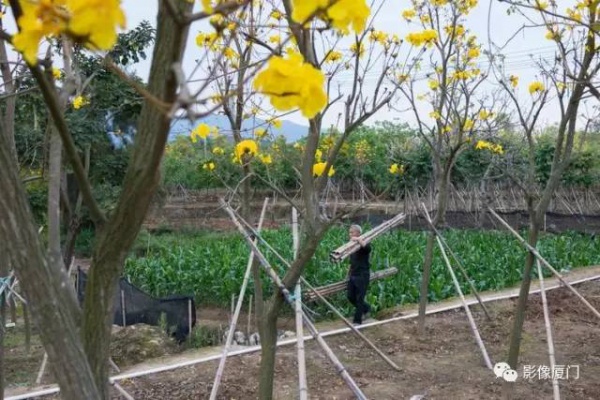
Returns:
point(501, 28)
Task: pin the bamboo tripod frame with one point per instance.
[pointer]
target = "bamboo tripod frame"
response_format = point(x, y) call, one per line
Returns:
point(290, 300)
point(316, 293)
point(539, 257)
point(484, 352)
point(234, 319)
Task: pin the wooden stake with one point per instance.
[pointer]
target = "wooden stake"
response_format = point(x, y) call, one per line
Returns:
point(40, 374)
point(555, 388)
point(534, 251)
point(190, 317)
point(236, 313)
point(486, 357)
point(249, 316)
point(302, 383)
point(123, 312)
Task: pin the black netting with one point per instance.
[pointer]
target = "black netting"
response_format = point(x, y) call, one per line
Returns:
point(141, 308)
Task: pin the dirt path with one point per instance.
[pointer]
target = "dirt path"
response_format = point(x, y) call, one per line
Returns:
point(399, 340)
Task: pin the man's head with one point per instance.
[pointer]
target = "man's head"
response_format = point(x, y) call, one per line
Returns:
point(355, 231)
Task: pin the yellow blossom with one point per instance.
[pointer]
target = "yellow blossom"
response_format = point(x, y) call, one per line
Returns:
point(291, 83)
point(396, 169)
point(359, 49)
point(80, 101)
point(201, 131)
point(265, 159)
point(409, 14)
point(536, 87)
point(342, 14)
point(484, 114)
point(260, 133)
point(56, 73)
point(218, 151)
point(333, 56)
point(246, 147)
point(514, 80)
point(209, 166)
point(469, 124)
point(433, 84)
point(276, 123)
point(473, 52)
point(319, 168)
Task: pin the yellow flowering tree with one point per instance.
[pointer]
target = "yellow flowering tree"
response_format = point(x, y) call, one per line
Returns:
point(278, 64)
point(447, 87)
point(564, 85)
point(77, 342)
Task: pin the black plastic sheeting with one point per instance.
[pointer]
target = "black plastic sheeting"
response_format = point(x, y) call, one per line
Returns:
point(141, 308)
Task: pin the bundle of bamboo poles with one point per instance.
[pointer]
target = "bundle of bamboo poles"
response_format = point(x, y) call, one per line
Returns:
point(339, 286)
point(344, 251)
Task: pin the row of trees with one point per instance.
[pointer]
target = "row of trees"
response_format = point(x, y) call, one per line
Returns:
point(382, 145)
point(259, 57)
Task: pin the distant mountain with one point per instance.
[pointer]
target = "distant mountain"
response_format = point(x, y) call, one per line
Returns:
point(290, 130)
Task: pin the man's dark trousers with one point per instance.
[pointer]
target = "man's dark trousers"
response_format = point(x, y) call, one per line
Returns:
point(357, 290)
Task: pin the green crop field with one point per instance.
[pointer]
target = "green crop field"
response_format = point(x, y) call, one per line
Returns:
point(211, 266)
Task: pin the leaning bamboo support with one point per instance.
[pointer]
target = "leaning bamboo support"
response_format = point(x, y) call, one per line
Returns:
point(289, 299)
point(327, 303)
point(302, 382)
point(234, 319)
point(40, 374)
point(347, 249)
point(486, 357)
point(122, 391)
point(555, 387)
point(460, 266)
point(534, 251)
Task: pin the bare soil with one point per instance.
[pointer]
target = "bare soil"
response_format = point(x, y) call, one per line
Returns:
point(445, 363)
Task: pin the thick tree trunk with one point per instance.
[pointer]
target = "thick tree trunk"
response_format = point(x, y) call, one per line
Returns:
point(521, 307)
point(141, 180)
point(442, 183)
point(45, 285)
point(268, 344)
point(428, 260)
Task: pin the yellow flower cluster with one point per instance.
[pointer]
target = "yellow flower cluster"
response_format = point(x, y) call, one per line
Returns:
point(79, 102)
point(485, 145)
point(202, 131)
point(357, 48)
point(244, 150)
point(362, 151)
point(409, 14)
point(333, 56)
point(93, 23)
point(536, 87)
point(209, 166)
point(378, 36)
point(341, 14)
point(291, 83)
point(514, 80)
point(426, 37)
point(396, 169)
point(319, 168)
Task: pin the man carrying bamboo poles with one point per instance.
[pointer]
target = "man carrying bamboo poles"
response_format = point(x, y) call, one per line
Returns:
point(359, 274)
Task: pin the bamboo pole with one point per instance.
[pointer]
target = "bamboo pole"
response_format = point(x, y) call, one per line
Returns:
point(347, 249)
point(40, 374)
point(122, 391)
point(486, 357)
point(190, 317)
point(458, 263)
point(302, 382)
point(323, 299)
point(288, 298)
point(234, 318)
point(555, 387)
point(534, 251)
point(341, 285)
point(249, 316)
